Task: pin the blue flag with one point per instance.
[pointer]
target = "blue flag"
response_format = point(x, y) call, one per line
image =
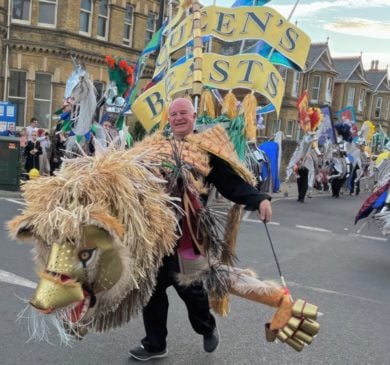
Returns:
point(250, 3)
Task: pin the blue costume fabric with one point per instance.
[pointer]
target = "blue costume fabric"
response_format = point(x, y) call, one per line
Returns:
point(271, 149)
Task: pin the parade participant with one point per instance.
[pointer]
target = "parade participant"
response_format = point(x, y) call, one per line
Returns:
point(181, 119)
point(107, 224)
point(302, 174)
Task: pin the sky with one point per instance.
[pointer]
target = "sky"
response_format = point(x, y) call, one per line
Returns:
point(353, 26)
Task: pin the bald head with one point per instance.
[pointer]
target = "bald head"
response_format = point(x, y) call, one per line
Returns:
point(181, 116)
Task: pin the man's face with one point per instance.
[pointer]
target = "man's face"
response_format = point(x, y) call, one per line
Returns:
point(106, 125)
point(181, 117)
point(35, 124)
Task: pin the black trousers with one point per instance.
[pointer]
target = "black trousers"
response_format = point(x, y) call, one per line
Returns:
point(302, 182)
point(352, 182)
point(337, 184)
point(155, 314)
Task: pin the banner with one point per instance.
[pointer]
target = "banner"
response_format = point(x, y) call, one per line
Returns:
point(248, 71)
point(326, 129)
point(348, 116)
point(236, 24)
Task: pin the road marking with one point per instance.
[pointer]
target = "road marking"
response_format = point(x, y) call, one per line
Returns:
point(247, 220)
point(327, 291)
point(10, 278)
point(15, 201)
point(246, 215)
point(259, 221)
point(314, 228)
point(370, 237)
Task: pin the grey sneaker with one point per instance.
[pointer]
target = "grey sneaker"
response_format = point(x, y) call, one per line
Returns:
point(139, 353)
point(211, 342)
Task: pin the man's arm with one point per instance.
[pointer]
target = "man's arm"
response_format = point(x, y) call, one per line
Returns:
point(235, 188)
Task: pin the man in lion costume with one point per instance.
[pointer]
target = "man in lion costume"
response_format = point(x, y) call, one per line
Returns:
point(105, 223)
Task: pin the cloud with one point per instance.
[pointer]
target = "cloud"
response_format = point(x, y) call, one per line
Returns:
point(360, 27)
point(306, 10)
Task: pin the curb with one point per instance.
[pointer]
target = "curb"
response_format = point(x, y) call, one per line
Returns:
point(10, 194)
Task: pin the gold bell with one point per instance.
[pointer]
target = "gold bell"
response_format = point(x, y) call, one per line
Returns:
point(295, 323)
point(302, 308)
point(306, 338)
point(297, 345)
point(270, 335)
point(310, 327)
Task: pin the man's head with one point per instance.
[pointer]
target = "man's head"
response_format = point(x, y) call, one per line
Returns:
point(34, 122)
point(181, 116)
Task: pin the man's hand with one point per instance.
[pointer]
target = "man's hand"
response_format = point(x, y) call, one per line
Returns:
point(265, 211)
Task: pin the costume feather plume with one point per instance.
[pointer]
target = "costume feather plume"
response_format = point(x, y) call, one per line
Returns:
point(207, 104)
point(249, 105)
point(230, 105)
point(367, 131)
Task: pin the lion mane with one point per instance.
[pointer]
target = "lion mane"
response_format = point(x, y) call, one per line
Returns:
point(119, 192)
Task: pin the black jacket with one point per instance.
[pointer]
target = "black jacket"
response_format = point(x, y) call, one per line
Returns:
point(232, 186)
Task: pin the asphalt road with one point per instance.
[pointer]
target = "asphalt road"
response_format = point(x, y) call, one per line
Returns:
point(323, 259)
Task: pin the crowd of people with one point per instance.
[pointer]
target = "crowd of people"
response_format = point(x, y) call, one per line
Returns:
point(42, 150)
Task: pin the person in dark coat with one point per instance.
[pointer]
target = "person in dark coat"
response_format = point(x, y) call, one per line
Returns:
point(32, 151)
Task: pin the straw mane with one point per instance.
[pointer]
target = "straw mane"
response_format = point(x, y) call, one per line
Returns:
point(118, 192)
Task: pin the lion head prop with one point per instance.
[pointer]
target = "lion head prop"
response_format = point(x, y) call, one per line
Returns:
point(100, 230)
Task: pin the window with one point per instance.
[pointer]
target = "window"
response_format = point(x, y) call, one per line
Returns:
point(315, 91)
point(42, 99)
point(128, 29)
point(103, 18)
point(283, 72)
point(361, 100)
point(351, 96)
point(47, 12)
point(295, 85)
point(290, 129)
point(21, 11)
point(329, 90)
point(298, 132)
point(378, 107)
point(388, 111)
point(150, 26)
point(17, 94)
point(85, 16)
point(276, 126)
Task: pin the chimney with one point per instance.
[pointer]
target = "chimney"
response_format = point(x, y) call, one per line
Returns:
point(376, 65)
point(372, 64)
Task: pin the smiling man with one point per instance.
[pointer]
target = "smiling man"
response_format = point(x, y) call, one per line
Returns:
point(181, 117)
point(198, 155)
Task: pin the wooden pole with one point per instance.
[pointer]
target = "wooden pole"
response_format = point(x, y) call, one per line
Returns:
point(197, 84)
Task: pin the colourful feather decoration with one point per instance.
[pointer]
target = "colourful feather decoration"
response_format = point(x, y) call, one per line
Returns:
point(249, 105)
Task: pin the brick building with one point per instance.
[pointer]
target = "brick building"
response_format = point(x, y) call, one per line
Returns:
point(40, 37)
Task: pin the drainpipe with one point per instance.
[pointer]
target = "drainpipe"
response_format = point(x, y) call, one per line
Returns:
point(5, 96)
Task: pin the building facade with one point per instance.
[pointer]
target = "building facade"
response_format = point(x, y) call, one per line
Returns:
point(41, 39)
point(338, 83)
